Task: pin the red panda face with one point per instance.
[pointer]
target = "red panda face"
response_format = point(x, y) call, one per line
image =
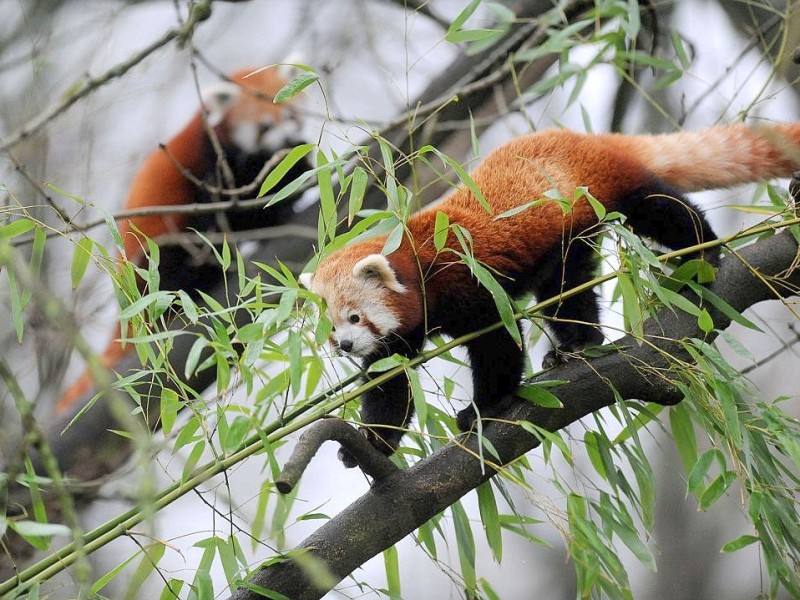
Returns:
point(243, 114)
point(360, 298)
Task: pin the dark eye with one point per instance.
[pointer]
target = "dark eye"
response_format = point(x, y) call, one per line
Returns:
point(354, 318)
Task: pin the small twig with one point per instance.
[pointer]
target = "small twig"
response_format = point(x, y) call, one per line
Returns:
point(372, 462)
point(200, 13)
point(218, 190)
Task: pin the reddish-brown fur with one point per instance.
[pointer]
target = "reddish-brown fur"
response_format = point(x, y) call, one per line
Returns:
point(537, 249)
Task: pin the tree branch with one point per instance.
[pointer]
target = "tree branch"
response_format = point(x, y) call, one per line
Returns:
point(398, 504)
point(372, 462)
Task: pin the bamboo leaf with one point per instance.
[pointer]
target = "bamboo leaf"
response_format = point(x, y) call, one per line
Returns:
point(392, 566)
point(440, 230)
point(357, 189)
point(80, 260)
point(490, 519)
point(295, 86)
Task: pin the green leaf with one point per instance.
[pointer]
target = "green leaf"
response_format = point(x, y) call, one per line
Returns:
point(466, 545)
point(294, 354)
point(394, 239)
point(148, 563)
point(144, 302)
point(463, 176)
point(188, 433)
point(236, 434)
point(725, 308)
point(80, 260)
point(739, 543)
point(548, 436)
point(295, 86)
point(684, 435)
point(462, 17)
point(631, 539)
point(523, 207)
point(440, 230)
point(471, 35)
point(38, 534)
point(193, 358)
point(392, 567)
point(16, 228)
point(597, 451)
point(630, 305)
point(385, 364)
point(490, 519)
point(189, 307)
point(716, 489)
point(680, 49)
point(193, 458)
point(418, 395)
point(357, 189)
point(111, 575)
point(172, 589)
point(170, 405)
point(294, 156)
point(259, 590)
point(700, 469)
point(538, 395)
point(705, 322)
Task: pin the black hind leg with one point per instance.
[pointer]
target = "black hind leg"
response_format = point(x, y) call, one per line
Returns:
point(497, 363)
point(575, 320)
point(665, 215)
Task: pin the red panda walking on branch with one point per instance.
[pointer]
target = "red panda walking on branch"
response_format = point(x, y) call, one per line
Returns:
point(250, 129)
point(385, 304)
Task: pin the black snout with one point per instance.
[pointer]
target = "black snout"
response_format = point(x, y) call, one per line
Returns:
point(345, 345)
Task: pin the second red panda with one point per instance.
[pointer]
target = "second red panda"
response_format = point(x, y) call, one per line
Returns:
point(385, 304)
point(250, 129)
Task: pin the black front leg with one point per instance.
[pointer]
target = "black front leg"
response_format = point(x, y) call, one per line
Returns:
point(387, 410)
point(497, 363)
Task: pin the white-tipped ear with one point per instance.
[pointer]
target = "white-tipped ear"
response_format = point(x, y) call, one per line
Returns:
point(377, 266)
point(218, 98)
point(305, 280)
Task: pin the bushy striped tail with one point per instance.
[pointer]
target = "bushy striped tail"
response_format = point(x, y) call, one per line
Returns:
point(721, 156)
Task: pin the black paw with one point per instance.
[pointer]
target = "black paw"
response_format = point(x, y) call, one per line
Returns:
point(348, 460)
point(466, 418)
point(552, 359)
point(564, 352)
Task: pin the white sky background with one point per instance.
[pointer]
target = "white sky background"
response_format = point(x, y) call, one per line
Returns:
point(378, 58)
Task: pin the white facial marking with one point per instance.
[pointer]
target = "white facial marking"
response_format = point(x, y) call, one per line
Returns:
point(305, 280)
point(245, 135)
point(358, 306)
point(218, 99)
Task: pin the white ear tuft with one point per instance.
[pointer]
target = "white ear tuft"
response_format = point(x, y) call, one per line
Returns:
point(218, 98)
point(377, 266)
point(305, 280)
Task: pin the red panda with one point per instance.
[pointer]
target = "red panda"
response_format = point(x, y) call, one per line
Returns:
point(385, 304)
point(250, 129)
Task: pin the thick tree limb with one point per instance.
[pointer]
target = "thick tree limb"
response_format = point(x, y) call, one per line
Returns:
point(398, 504)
